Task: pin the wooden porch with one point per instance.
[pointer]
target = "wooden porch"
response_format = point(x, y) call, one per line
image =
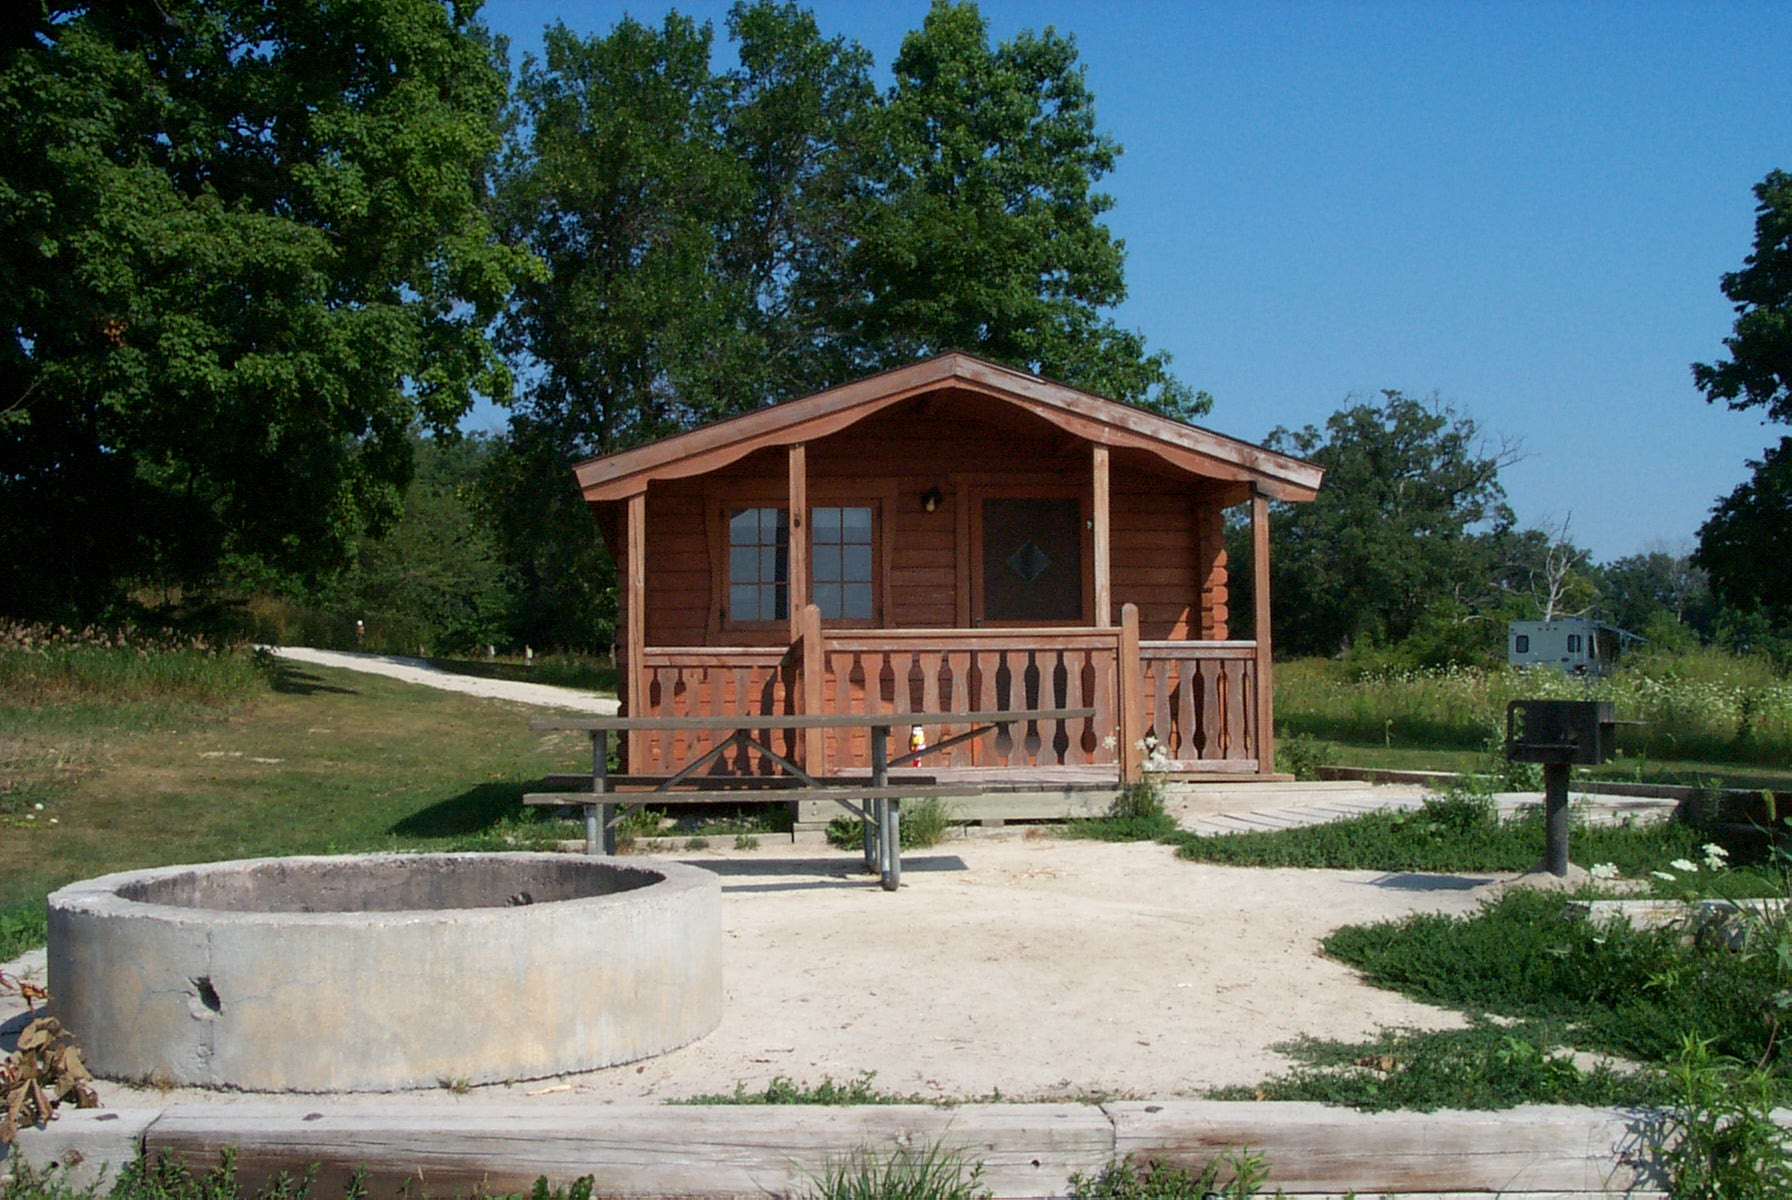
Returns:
point(1192, 707)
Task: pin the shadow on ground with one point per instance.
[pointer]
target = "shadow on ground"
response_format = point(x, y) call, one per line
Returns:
point(296, 681)
point(473, 811)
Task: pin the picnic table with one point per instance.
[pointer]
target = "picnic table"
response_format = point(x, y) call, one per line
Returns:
point(875, 801)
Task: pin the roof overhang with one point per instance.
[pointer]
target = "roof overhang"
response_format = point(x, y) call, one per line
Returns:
point(1187, 448)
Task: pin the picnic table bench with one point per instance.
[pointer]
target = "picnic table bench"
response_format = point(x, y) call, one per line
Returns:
point(874, 800)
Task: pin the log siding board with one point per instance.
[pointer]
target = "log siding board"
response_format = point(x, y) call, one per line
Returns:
point(1027, 1150)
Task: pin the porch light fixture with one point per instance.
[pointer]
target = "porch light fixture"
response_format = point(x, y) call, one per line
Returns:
point(931, 498)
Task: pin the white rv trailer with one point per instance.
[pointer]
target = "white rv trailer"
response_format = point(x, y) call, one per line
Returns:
point(1576, 645)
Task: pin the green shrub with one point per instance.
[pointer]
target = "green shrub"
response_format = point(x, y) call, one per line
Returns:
point(1136, 815)
point(1721, 1141)
point(1300, 755)
point(924, 823)
point(1632, 992)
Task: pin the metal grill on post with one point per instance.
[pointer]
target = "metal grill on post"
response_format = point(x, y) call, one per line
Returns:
point(1558, 734)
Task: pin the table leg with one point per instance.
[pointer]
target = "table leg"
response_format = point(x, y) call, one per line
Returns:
point(880, 776)
point(600, 835)
point(892, 836)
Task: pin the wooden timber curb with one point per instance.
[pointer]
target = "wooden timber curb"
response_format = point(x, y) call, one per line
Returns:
point(446, 1148)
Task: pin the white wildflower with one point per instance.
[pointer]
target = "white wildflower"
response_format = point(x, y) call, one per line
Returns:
point(1662, 875)
point(39, 806)
point(1716, 857)
point(1603, 871)
point(1109, 742)
point(1680, 864)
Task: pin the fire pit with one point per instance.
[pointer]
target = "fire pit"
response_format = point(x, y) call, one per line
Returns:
point(385, 971)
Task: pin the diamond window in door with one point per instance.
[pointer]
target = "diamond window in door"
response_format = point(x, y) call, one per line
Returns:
point(840, 562)
point(1032, 560)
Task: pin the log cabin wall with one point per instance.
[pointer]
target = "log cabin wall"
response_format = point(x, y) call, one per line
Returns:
point(1168, 547)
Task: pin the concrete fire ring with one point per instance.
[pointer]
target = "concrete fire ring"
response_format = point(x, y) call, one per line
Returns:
point(385, 971)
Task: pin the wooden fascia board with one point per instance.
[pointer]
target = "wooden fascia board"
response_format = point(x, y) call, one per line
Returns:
point(715, 446)
point(1197, 451)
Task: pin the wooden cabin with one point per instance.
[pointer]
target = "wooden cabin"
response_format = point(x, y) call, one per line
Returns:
point(950, 536)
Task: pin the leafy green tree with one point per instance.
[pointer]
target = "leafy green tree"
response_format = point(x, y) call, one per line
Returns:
point(1662, 595)
point(1758, 372)
point(796, 121)
point(434, 579)
point(1746, 544)
point(242, 251)
point(1402, 535)
point(620, 182)
point(981, 224)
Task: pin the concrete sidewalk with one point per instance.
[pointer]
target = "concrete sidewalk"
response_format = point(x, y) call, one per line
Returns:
point(418, 671)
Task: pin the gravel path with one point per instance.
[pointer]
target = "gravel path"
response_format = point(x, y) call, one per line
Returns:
point(416, 670)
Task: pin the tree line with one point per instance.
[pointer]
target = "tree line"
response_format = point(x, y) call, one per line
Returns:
point(259, 259)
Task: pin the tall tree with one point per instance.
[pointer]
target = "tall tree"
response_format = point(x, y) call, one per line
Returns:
point(620, 183)
point(242, 250)
point(1397, 531)
point(1758, 372)
point(981, 228)
point(1746, 545)
point(797, 122)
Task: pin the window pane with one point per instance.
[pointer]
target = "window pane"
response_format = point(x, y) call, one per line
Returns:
point(856, 564)
point(743, 527)
point(827, 599)
point(777, 525)
point(778, 602)
point(743, 565)
point(855, 525)
point(827, 524)
point(768, 565)
point(743, 603)
point(856, 605)
point(827, 564)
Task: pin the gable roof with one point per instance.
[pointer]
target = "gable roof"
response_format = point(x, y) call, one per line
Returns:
point(1188, 448)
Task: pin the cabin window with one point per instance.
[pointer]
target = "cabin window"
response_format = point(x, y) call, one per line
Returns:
point(758, 564)
point(840, 562)
point(1522, 643)
point(1574, 643)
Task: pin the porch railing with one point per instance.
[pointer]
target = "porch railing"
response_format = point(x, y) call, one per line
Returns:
point(1198, 700)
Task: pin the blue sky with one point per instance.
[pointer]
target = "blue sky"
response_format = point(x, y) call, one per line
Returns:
point(1524, 208)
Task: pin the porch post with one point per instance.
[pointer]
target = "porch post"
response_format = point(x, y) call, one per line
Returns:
point(636, 600)
point(1129, 681)
point(1104, 587)
point(814, 675)
point(798, 561)
point(1266, 713)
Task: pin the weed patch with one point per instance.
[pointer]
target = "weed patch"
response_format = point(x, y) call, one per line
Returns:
point(1234, 1175)
point(21, 928)
point(783, 1090)
point(1454, 833)
point(1486, 1066)
point(930, 1172)
point(1635, 993)
point(925, 823)
point(1136, 815)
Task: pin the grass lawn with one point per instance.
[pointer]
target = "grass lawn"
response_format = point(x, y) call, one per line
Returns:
point(1443, 758)
point(309, 761)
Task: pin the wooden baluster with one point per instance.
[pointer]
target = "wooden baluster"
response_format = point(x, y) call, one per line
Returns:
point(1032, 690)
point(1188, 704)
point(1003, 745)
point(1159, 720)
point(1247, 708)
point(983, 750)
point(1106, 721)
point(930, 691)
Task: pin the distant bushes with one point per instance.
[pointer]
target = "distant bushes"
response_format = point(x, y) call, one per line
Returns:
point(1703, 704)
point(45, 665)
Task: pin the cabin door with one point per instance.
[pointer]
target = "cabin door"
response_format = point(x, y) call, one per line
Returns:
point(1032, 568)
